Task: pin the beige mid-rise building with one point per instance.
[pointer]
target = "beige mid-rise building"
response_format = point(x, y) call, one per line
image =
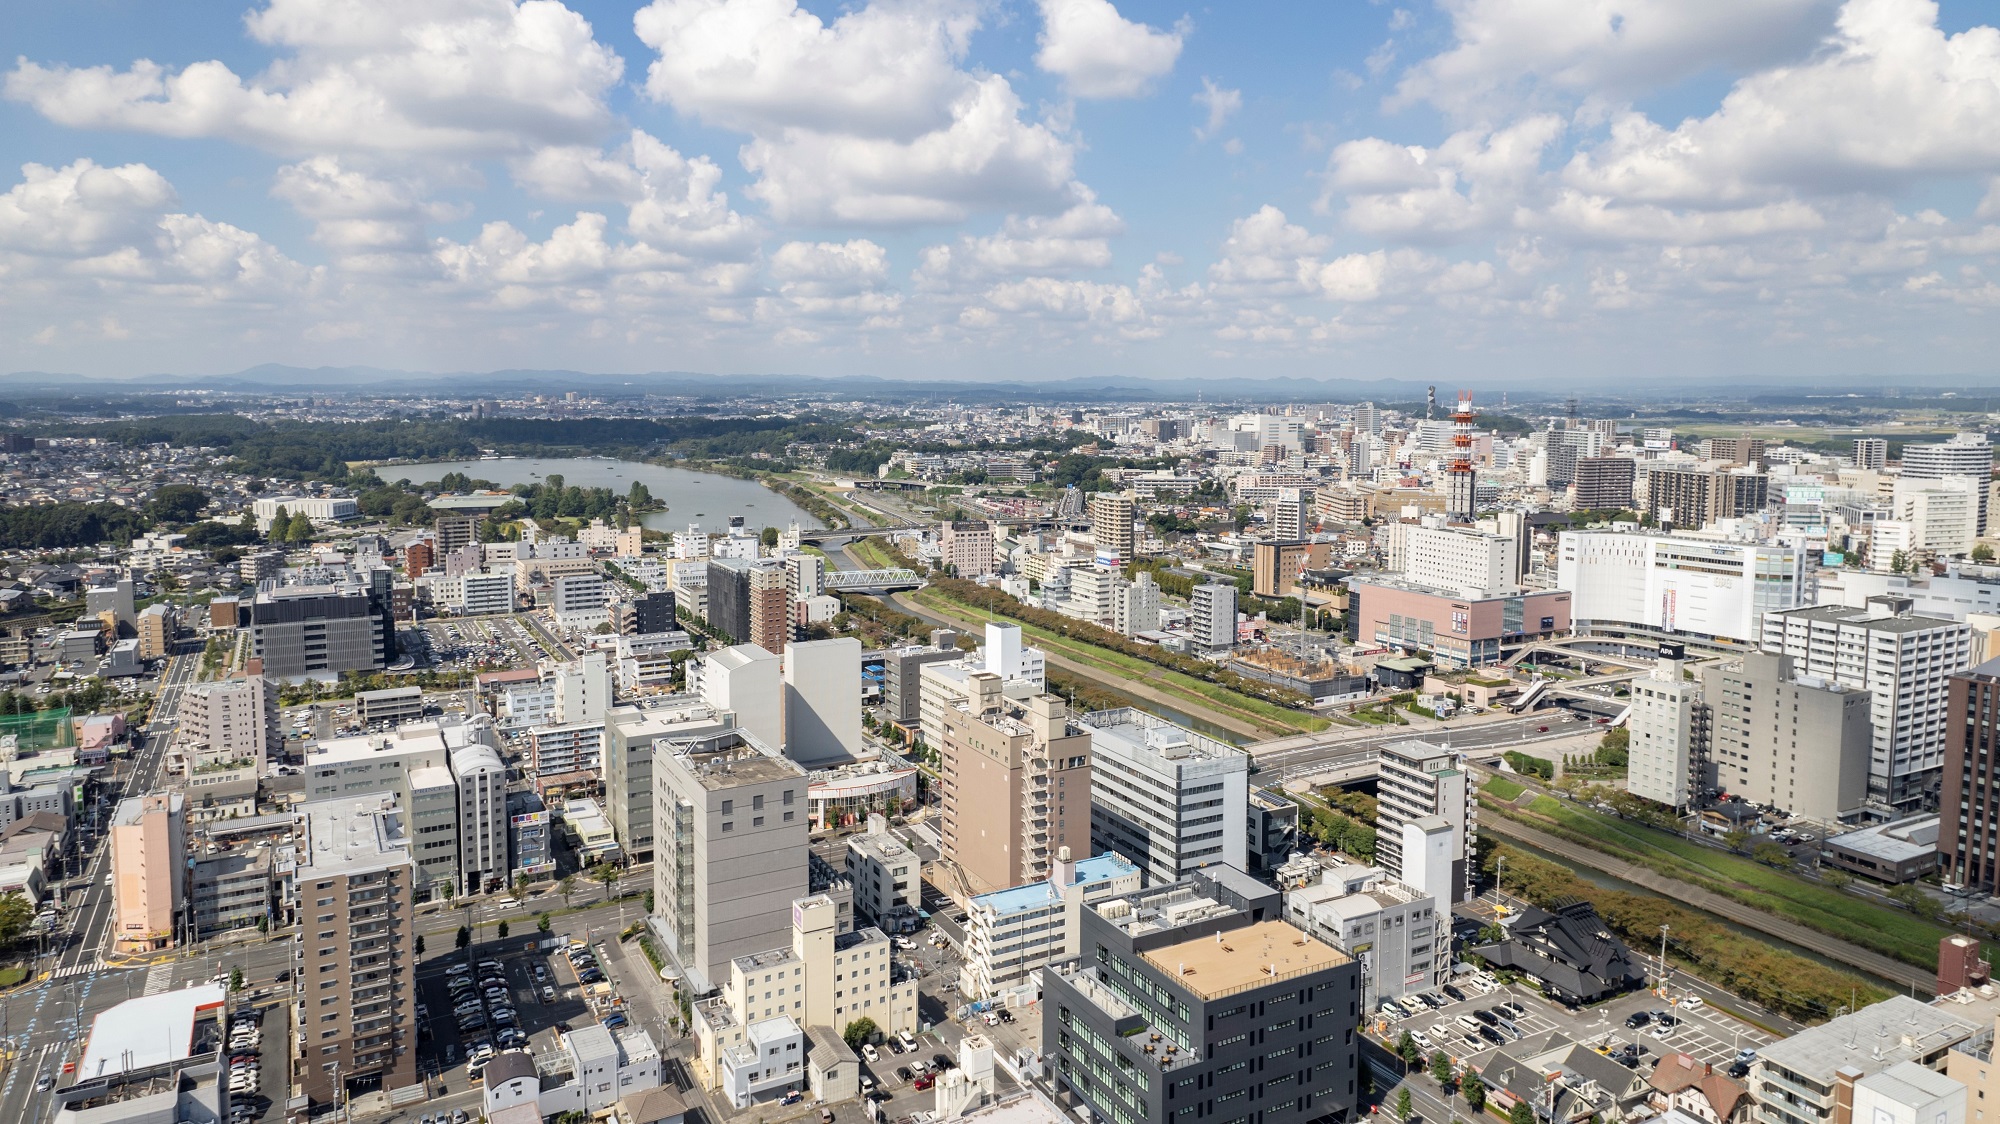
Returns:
point(354, 981)
point(149, 870)
point(230, 721)
point(1016, 781)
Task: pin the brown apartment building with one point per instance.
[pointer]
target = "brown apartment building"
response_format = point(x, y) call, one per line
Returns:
point(356, 972)
point(1016, 785)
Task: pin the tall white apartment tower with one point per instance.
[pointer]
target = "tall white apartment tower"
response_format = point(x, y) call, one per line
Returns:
point(1212, 619)
point(1665, 728)
point(1418, 780)
point(1905, 660)
point(1966, 454)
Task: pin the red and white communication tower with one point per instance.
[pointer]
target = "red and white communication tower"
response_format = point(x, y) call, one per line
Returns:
point(1460, 492)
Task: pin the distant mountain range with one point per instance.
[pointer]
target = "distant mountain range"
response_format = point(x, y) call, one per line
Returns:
point(274, 378)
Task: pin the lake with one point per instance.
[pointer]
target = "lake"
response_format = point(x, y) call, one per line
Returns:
point(703, 498)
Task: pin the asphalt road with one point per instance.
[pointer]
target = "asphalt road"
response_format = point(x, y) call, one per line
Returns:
point(42, 1024)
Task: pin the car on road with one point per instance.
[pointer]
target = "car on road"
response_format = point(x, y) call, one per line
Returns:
point(1690, 1003)
point(45, 1082)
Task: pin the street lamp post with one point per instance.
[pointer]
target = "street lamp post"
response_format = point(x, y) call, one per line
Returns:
point(1663, 956)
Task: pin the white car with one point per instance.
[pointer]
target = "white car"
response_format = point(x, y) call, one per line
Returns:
point(1690, 1003)
point(868, 1051)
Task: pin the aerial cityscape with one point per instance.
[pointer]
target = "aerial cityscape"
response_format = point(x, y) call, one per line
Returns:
point(907, 561)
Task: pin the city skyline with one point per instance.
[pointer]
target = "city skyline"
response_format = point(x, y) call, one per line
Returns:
point(1471, 189)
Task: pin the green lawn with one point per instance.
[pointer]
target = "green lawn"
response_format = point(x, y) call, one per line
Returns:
point(1269, 715)
point(13, 975)
point(1502, 789)
point(1885, 929)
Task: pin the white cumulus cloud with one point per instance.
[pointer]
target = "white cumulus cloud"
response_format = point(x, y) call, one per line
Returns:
point(1101, 54)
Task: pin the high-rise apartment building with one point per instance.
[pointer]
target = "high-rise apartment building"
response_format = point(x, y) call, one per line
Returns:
point(902, 693)
point(1787, 740)
point(149, 871)
point(454, 530)
point(1966, 454)
point(1905, 661)
point(729, 851)
point(1212, 618)
point(647, 614)
point(1275, 565)
point(1136, 607)
point(1170, 800)
point(156, 626)
point(1111, 527)
point(746, 681)
point(354, 979)
point(1667, 726)
point(1743, 450)
point(965, 547)
point(1418, 781)
point(1016, 783)
point(1693, 499)
point(1969, 835)
point(1291, 514)
point(229, 720)
point(1197, 1001)
point(1604, 483)
point(770, 606)
point(1871, 453)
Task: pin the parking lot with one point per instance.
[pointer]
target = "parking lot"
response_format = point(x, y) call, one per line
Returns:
point(521, 996)
point(1709, 1035)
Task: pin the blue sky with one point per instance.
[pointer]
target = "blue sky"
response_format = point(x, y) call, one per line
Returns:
point(1469, 190)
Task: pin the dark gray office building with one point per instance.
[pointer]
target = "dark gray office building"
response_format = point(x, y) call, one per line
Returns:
point(324, 629)
point(1198, 1001)
point(647, 614)
point(729, 597)
point(902, 678)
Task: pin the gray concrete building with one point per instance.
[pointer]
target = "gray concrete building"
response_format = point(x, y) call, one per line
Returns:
point(632, 736)
point(729, 853)
point(323, 630)
point(1790, 741)
point(1169, 799)
point(1198, 1001)
point(902, 679)
point(1418, 781)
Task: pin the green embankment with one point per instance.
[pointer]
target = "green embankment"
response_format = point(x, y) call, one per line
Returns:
point(1271, 716)
point(1884, 929)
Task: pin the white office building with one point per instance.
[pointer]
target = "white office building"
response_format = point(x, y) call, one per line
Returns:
point(1396, 932)
point(1965, 455)
point(1665, 729)
point(1905, 660)
point(1458, 558)
point(745, 679)
point(822, 680)
point(1212, 618)
point(1010, 934)
point(1705, 590)
point(1169, 799)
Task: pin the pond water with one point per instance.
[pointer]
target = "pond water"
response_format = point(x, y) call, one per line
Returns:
point(703, 498)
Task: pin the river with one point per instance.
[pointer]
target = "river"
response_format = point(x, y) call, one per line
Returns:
point(703, 498)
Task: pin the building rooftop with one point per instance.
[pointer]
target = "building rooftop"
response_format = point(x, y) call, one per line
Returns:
point(354, 835)
point(1240, 959)
point(1135, 733)
point(148, 1031)
point(882, 847)
point(1873, 617)
point(415, 737)
point(1897, 842)
point(1874, 1038)
point(733, 758)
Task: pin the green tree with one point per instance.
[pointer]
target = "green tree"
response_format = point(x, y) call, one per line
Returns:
point(1735, 840)
point(768, 537)
point(236, 979)
point(281, 524)
point(1441, 1068)
point(1473, 1089)
point(1402, 1109)
point(1406, 1048)
point(566, 887)
point(1982, 553)
point(16, 914)
point(858, 1032)
point(301, 530)
point(647, 898)
point(177, 503)
point(1912, 897)
point(521, 886)
point(543, 922)
point(420, 944)
point(1521, 1113)
point(1899, 562)
point(503, 930)
point(1838, 879)
point(464, 938)
point(606, 874)
point(1770, 854)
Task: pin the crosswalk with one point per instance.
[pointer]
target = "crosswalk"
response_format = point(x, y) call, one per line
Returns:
point(83, 969)
point(159, 978)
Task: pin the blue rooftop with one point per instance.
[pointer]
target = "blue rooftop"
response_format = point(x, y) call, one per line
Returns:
point(1040, 895)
